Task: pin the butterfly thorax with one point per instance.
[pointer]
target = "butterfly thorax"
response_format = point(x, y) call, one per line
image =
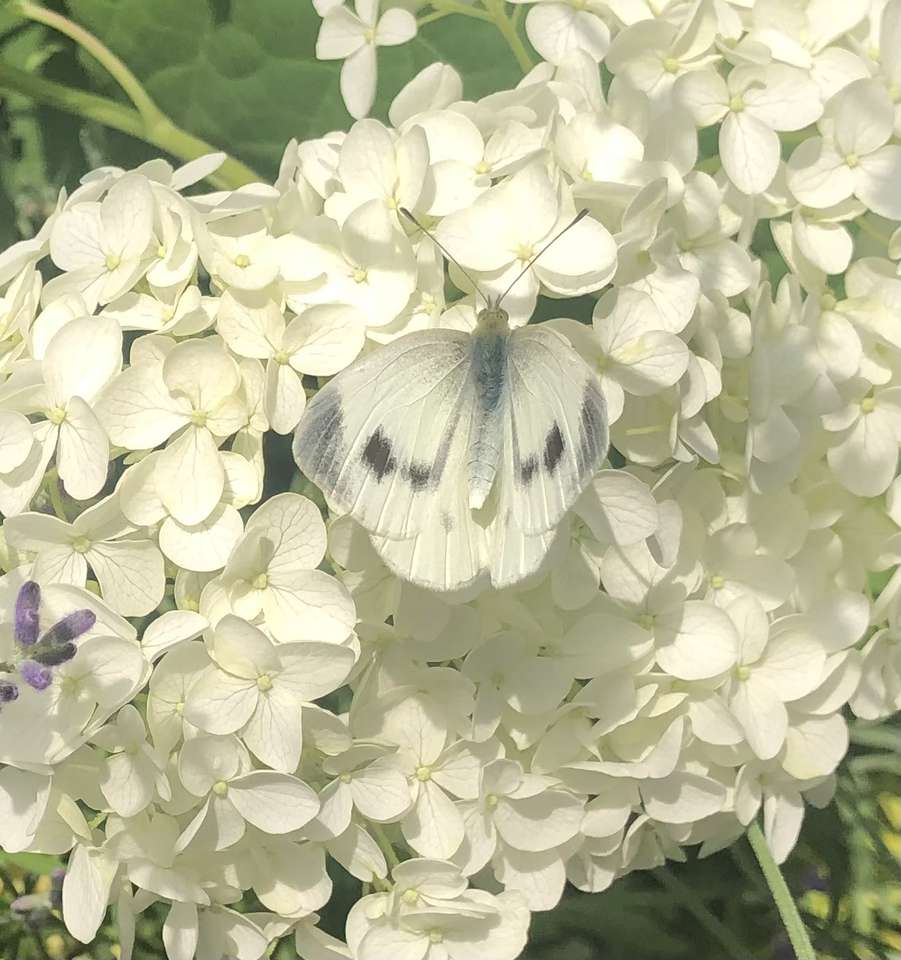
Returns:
point(492, 321)
point(489, 376)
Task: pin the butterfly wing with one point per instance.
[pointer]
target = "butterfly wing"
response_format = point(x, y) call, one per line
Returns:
point(555, 433)
point(384, 439)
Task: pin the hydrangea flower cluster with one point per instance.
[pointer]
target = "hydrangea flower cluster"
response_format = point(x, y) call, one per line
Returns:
point(685, 657)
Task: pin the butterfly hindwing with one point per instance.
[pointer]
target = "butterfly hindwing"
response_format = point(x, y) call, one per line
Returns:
point(556, 433)
point(386, 437)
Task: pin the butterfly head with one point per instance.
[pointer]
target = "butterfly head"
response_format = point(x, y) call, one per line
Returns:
point(493, 320)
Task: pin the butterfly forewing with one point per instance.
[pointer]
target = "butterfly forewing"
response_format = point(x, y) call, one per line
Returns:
point(385, 437)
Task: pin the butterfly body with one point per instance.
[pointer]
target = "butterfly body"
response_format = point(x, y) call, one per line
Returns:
point(458, 452)
point(488, 369)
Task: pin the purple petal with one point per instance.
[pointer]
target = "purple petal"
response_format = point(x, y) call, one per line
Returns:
point(27, 602)
point(72, 625)
point(36, 676)
point(8, 691)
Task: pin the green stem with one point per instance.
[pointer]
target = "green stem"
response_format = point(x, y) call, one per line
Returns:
point(432, 17)
point(164, 135)
point(700, 911)
point(445, 7)
point(498, 12)
point(381, 838)
point(791, 919)
point(56, 496)
point(149, 111)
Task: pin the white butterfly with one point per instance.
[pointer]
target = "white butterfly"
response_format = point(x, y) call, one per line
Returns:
point(459, 453)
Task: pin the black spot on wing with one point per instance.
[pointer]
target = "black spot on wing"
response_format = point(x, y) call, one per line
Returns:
point(527, 469)
point(419, 475)
point(553, 448)
point(377, 455)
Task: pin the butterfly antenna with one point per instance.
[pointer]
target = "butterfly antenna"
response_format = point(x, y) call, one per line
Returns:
point(449, 256)
point(582, 213)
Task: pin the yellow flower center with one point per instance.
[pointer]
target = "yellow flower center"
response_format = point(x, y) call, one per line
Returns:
point(112, 261)
point(409, 897)
point(491, 801)
point(423, 773)
point(868, 404)
point(360, 275)
point(264, 682)
point(671, 65)
point(220, 788)
point(242, 260)
point(717, 582)
point(852, 160)
point(737, 103)
point(646, 621)
point(199, 418)
point(827, 301)
point(435, 935)
point(81, 544)
point(742, 672)
point(260, 581)
point(56, 415)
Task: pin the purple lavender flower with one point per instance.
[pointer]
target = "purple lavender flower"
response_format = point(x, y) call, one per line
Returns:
point(56, 646)
point(36, 676)
point(72, 625)
point(27, 602)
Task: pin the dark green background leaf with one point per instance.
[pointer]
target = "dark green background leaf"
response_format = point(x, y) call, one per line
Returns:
point(243, 75)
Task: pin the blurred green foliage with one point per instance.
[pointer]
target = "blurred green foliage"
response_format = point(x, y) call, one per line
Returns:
point(241, 74)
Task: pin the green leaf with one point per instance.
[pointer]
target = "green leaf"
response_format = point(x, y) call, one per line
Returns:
point(37, 863)
point(249, 81)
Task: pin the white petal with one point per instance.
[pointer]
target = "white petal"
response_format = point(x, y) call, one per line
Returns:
point(762, 716)
point(131, 575)
point(285, 398)
point(204, 546)
point(273, 802)
point(190, 477)
point(876, 181)
point(220, 703)
point(557, 30)
point(86, 891)
point(434, 827)
point(340, 35)
point(16, 440)
point(138, 411)
point(82, 358)
point(315, 607)
point(539, 823)
point(127, 217)
point(863, 117)
point(357, 82)
point(749, 151)
point(817, 175)
point(180, 931)
point(76, 238)
point(273, 733)
point(695, 641)
point(395, 26)
point(82, 455)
